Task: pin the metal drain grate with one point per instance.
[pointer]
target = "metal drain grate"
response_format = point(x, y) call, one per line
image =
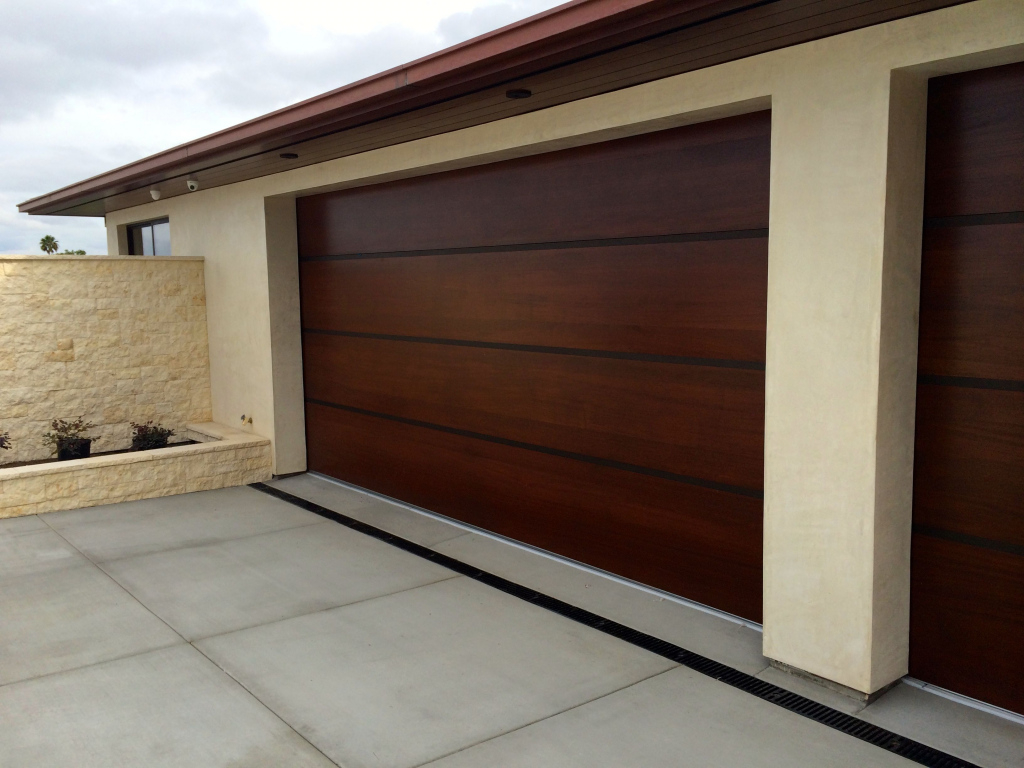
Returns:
point(819, 713)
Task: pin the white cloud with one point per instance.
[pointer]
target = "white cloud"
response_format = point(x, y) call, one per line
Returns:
point(88, 86)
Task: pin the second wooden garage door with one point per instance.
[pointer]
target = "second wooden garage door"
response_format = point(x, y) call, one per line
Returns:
point(967, 570)
point(566, 349)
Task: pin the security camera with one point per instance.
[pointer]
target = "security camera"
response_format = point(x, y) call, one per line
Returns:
point(155, 194)
point(193, 185)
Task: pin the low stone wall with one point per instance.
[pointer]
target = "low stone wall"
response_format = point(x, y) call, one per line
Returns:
point(118, 339)
point(225, 457)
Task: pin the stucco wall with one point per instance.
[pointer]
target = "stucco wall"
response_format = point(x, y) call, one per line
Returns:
point(844, 255)
point(116, 340)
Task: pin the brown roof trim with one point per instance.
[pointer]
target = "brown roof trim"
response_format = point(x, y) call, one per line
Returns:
point(580, 27)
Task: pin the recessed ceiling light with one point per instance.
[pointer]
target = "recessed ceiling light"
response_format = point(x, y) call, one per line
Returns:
point(289, 156)
point(518, 93)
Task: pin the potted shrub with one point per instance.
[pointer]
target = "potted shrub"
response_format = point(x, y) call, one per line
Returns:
point(147, 436)
point(68, 439)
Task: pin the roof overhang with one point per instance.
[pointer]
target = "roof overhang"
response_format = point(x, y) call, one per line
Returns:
point(467, 82)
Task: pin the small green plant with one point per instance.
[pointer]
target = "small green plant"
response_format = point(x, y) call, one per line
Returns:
point(149, 435)
point(72, 253)
point(5, 441)
point(49, 244)
point(67, 435)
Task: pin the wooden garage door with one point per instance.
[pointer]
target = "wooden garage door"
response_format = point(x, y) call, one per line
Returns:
point(967, 594)
point(566, 349)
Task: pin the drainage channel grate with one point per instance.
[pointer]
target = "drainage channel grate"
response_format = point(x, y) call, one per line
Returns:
point(840, 721)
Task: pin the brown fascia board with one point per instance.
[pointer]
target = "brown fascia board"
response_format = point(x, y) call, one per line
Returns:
point(575, 30)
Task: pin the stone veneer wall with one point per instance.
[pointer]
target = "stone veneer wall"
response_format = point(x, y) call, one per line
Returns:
point(116, 339)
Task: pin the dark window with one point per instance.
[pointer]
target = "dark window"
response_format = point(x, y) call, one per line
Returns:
point(150, 238)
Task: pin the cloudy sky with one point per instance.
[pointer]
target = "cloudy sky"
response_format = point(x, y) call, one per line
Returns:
point(88, 85)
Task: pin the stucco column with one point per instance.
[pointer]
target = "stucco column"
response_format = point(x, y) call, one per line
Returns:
point(844, 264)
point(285, 335)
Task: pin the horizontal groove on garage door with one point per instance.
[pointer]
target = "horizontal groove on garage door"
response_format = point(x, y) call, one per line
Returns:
point(975, 220)
point(971, 382)
point(752, 493)
point(744, 365)
point(608, 242)
point(974, 541)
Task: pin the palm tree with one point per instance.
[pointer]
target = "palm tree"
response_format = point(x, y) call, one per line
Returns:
point(49, 244)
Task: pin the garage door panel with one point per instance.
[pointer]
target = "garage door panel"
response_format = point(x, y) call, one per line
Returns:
point(967, 571)
point(970, 451)
point(692, 541)
point(695, 179)
point(975, 136)
point(696, 299)
point(697, 421)
point(976, 596)
point(568, 349)
point(972, 302)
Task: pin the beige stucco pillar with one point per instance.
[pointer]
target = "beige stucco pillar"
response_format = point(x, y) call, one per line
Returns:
point(844, 263)
point(285, 335)
point(251, 274)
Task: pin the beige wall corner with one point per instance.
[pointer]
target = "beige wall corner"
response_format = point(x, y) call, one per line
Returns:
point(227, 224)
point(249, 325)
point(117, 240)
point(285, 335)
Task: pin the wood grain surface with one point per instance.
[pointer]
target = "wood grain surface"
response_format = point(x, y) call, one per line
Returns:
point(965, 620)
point(976, 142)
point(705, 178)
point(972, 302)
point(688, 540)
point(967, 572)
point(567, 349)
point(696, 421)
point(697, 299)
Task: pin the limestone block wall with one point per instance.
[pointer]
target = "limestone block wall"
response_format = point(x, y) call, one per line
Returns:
point(116, 339)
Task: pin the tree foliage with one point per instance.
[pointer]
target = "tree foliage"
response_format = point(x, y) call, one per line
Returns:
point(49, 244)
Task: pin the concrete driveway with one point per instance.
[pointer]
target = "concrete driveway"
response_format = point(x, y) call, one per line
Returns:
point(230, 628)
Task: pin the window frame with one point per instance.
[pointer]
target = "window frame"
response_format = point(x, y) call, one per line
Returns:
point(131, 229)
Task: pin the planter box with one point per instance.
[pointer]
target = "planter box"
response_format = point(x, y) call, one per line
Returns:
point(222, 457)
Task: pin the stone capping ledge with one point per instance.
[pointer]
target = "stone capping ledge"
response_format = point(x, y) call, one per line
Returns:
point(211, 437)
point(223, 457)
point(90, 257)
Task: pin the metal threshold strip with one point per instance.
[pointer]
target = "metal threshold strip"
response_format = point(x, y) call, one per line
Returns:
point(840, 721)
